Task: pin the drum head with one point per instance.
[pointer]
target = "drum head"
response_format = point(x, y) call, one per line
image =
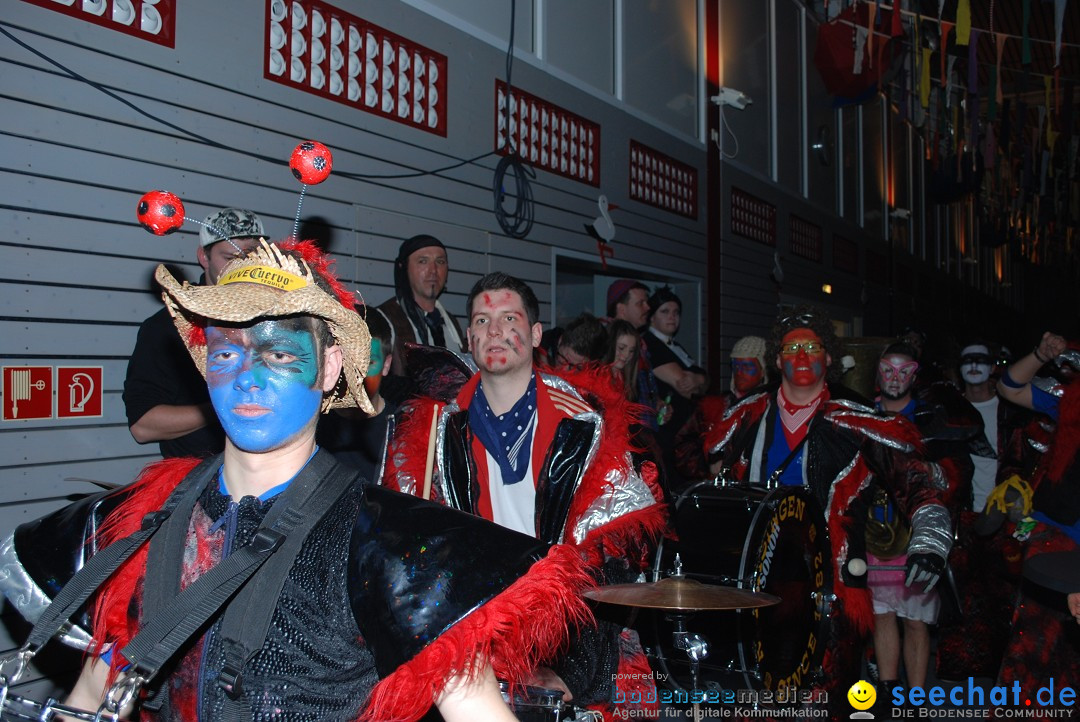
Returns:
point(787, 554)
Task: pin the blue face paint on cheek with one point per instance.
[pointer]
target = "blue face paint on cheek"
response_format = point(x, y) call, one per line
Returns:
point(263, 383)
point(375, 363)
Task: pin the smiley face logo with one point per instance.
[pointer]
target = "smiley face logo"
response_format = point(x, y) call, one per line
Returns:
point(862, 695)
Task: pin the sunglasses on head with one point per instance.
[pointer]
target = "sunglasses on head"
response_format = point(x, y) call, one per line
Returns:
point(801, 319)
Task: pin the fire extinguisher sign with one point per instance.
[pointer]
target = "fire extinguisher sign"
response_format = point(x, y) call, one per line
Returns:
point(78, 392)
point(28, 392)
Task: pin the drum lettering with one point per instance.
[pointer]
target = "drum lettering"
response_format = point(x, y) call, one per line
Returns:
point(811, 643)
point(792, 508)
point(819, 579)
point(766, 556)
point(790, 681)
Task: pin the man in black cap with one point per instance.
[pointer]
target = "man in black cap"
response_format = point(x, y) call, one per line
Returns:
point(415, 314)
point(164, 395)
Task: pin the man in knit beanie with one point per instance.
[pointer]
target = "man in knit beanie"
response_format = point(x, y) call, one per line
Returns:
point(747, 365)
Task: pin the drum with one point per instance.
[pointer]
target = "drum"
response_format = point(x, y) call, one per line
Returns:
point(773, 541)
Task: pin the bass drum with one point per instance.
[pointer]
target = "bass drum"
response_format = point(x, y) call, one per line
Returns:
point(772, 541)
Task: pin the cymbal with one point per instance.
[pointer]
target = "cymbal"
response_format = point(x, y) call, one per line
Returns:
point(682, 594)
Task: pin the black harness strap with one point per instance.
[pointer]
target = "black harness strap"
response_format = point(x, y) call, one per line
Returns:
point(101, 566)
point(246, 620)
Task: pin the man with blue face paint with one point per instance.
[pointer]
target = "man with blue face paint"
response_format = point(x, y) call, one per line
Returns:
point(352, 583)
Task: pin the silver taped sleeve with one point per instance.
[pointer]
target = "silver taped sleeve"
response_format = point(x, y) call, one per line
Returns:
point(931, 531)
point(936, 476)
point(629, 493)
point(28, 598)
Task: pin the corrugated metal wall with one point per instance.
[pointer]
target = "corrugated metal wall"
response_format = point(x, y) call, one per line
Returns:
point(76, 268)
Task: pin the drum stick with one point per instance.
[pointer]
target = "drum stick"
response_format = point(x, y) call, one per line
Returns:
point(858, 567)
point(429, 466)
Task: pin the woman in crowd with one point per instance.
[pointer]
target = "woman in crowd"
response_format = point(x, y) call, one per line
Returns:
point(622, 354)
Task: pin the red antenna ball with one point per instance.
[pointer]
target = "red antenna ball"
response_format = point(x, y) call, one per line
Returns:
point(160, 212)
point(311, 162)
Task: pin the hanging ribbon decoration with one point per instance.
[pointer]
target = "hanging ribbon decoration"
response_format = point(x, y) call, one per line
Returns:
point(963, 22)
point(870, 17)
point(1026, 59)
point(1000, 39)
point(1059, 19)
point(946, 28)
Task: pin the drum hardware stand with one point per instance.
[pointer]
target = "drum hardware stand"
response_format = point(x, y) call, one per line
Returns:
point(695, 645)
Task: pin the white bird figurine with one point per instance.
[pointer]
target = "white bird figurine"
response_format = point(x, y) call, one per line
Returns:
point(777, 270)
point(602, 229)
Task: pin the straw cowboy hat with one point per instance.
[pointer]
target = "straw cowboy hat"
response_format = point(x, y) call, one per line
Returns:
point(272, 281)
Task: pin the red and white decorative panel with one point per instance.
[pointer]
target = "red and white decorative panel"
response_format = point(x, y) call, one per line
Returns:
point(153, 20)
point(317, 48)
point(662, 181)
point(752, 217)
point(845, 254)
point(548, 136)
point(806, 239)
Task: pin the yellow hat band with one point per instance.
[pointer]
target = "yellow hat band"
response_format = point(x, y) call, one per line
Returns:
point(264, 275)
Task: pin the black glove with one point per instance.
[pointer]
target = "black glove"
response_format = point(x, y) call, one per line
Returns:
point(924, 569)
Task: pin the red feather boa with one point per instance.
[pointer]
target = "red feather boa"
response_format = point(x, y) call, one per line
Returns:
point(514, 630)
point(114, 621)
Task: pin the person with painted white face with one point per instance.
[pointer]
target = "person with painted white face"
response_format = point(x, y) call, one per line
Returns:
point(976, 364)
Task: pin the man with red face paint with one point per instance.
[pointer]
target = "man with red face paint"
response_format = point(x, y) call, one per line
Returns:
point(548, 454)
point(803, 433)
point(947, 449)
point(748, 371)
